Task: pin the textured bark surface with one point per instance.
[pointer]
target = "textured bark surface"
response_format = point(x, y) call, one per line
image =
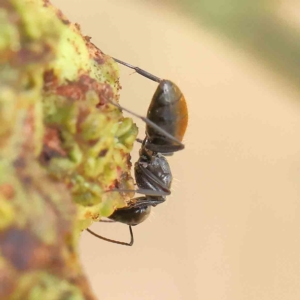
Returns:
point(61, 146)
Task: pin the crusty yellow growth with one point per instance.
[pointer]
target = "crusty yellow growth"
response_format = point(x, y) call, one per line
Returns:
point(87, 141)
point(62, 146)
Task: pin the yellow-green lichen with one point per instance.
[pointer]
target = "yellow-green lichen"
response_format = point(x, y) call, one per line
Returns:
point(7, 213)
point(9, 37)
point(43, 289)
point(63, 148)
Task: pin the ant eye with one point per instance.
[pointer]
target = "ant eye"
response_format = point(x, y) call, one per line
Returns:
point(166, 89)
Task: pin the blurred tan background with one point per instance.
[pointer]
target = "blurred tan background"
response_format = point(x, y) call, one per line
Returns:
point(230, 229)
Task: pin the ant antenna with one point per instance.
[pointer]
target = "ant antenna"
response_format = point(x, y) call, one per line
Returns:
point(139, 70)
point(113, 241)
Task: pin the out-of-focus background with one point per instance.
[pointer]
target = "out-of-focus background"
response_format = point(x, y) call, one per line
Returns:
point(230, 229)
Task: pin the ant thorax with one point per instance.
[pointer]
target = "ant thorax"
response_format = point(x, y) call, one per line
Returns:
point(153, 173)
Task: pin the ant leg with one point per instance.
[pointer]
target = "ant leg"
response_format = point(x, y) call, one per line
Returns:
point(169, 154)
point(113, 241)
point(140, 202)
point(139, 140)
point(150, 123)
point(139, 70)
point(146, 192)
point(107, 221)
point(159, 184)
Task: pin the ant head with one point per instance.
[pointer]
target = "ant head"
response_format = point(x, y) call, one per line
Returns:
point(168, 110)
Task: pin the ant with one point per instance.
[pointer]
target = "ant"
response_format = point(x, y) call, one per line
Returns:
point(166, 123)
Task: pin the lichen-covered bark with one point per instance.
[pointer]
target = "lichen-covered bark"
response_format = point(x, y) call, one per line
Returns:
point(62, 146)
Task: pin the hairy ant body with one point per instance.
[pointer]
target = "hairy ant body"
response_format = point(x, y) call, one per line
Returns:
point(166, 123)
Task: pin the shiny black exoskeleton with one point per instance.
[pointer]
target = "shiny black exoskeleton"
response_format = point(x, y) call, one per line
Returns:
point(153, 178)
point(166, 122)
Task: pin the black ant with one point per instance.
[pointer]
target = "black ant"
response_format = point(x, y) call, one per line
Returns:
point(166, 121)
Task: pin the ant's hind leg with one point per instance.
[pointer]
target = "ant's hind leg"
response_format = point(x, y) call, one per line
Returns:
point(113, 241)
point(139, 140)
point(147, 192)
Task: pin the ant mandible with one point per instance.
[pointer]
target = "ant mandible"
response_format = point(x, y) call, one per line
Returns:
point(166, 124)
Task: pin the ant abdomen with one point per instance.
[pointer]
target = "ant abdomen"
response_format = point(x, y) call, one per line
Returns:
point(131, 215)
